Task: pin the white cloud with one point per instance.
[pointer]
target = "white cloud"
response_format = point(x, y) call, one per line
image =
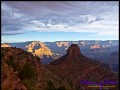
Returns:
point(99, 18)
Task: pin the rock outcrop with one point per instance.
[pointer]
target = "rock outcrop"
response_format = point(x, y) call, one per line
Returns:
point(74, 50)
point(5, 45)
point(60, 44)
point(39, 49)
point(10, 80)
point(74, 67)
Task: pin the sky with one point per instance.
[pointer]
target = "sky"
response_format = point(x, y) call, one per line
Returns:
point(59, 20)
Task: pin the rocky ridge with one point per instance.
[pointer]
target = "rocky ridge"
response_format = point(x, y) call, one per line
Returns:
point(74, 66)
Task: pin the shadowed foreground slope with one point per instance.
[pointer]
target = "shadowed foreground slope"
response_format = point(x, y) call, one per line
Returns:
point(74, 67)
point(22, 70)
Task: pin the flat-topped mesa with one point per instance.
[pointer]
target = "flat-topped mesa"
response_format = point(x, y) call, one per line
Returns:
point(74, 50)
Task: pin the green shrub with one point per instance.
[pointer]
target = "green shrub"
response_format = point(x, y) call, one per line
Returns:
point(26, 82)
point(27, 72)
point(2, 53)
point(50, 86)
point(14, 64)
point(9, 62)
point(29, 84)
point(61, 88)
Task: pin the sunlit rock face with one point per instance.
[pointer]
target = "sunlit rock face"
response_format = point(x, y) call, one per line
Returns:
point(39, 49)
point(5, 45)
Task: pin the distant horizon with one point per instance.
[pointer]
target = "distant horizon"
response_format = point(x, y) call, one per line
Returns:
point(58, 41)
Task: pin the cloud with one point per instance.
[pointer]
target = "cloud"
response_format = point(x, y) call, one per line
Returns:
point(99, 18)
point(12, 33)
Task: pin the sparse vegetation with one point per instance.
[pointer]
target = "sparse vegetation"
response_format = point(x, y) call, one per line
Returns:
point(14, 64)
point(29, 84)
point(27, 72)
point(62, 88)
point(50, 86)
point(34, 75)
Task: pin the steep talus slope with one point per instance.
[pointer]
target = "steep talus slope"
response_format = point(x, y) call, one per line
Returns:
point(20, 69)
point(13, 61)
point(10, 80)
